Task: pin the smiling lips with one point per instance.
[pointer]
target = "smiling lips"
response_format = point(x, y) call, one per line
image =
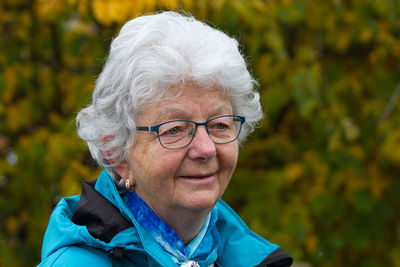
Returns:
point(197, 176)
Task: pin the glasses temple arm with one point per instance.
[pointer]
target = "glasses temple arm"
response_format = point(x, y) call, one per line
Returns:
point(143, 128)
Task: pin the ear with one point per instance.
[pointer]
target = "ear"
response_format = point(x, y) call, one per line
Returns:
point(121, 168)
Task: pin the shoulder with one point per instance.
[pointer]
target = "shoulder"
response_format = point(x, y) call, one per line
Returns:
point(228, 218)
point(77, 256)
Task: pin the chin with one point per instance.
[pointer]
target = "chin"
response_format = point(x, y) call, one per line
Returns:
point(200, 202)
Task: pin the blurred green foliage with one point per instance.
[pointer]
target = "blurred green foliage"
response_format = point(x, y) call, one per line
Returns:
point(320, 176)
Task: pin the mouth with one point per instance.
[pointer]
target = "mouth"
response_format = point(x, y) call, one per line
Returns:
point(197, 176)
point(199, 179)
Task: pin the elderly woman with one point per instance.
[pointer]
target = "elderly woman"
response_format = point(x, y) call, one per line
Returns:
point(170, 108)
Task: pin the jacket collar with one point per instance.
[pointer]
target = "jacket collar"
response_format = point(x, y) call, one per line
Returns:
point(102, 212)
point(102, 219)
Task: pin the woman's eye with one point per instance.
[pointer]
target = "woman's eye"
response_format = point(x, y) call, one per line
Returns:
point(174, 130)
point(219, 126)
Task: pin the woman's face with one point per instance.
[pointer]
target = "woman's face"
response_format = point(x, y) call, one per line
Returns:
point(192, 178)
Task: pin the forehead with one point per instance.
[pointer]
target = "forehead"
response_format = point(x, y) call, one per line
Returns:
point(192, 102)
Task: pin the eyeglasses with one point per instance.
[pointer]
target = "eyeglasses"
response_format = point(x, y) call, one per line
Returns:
point(177, 134)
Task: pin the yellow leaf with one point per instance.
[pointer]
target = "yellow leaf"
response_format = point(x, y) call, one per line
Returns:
point(311, 243)
point(390, 145)
point(357, 152)
point(172, 4)
point(377, 183)
point(49, 9)
point(294, 171)
point(11, 225)
point(109, 12)
point(11, 84)
point(366, 35)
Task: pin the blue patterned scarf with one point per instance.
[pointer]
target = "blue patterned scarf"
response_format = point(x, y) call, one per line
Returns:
point(198, 249)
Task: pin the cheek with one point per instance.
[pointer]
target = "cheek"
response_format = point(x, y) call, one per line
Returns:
point(167, 166)
point(229, 156)
point(155, 163)
point(142, 159)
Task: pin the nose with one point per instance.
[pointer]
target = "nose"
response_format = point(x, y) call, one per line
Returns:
point(202, 147)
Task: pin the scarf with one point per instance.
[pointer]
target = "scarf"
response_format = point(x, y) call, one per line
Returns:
point(205, 242)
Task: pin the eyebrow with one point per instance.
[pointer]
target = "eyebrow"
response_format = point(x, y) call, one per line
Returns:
point(222, 109)
point(176, 113)
point(172, 113)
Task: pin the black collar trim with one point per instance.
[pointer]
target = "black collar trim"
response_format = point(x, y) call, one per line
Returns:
point(278, 258)
point(102, 219)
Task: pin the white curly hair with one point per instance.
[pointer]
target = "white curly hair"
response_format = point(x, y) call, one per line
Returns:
point(151, 54)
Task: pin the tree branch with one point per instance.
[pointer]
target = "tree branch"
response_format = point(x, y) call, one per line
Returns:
point(391, 105)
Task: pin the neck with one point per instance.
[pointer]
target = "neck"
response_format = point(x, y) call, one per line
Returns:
point(186, 224)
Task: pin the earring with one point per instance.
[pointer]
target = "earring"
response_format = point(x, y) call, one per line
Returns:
point(128, 185)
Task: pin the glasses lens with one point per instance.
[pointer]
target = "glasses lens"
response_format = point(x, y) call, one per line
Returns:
point(176, 134)
point(224, 129)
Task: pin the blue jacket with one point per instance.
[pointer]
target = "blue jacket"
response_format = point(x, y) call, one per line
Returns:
point(97, 229)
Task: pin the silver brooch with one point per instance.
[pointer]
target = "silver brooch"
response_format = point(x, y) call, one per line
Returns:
point(190, 264)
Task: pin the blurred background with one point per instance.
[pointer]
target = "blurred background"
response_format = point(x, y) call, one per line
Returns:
point(320, 177)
